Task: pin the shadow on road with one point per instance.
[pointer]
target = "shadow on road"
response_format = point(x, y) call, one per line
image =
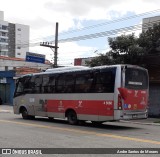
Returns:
point(116, 126)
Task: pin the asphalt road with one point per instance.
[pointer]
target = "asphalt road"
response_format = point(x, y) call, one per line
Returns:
point(42, 133)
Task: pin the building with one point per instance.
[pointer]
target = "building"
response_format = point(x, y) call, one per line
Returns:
point(149, 22)
point(154, 72)
point(14, 38)
point(7, 86)
point(10, 69)
point(82, 61)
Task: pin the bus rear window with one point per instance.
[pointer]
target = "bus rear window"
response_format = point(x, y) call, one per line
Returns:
point(136, 79)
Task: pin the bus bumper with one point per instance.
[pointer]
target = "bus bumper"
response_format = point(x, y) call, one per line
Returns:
point(122, 115)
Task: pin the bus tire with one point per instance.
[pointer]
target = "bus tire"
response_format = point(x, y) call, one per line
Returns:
point(25, 114)
point(72, 117)
point(96, 123)
point(51, 118)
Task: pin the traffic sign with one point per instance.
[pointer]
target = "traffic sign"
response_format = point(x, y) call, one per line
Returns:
point(35, 57)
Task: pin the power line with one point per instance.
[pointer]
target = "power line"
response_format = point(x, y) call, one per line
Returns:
point(113, 21)
point(96, 35)
point(108, 33)
point(94, 26)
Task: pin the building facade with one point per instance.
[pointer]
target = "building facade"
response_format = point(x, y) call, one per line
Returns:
point(82, 61)
point(14, 38)
point(7, 86)
point(12, 68)
point(149, 22)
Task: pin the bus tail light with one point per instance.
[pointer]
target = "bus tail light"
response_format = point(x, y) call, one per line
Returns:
point(119, 102)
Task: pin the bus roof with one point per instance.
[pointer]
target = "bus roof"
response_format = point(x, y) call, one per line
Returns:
point(79, 68)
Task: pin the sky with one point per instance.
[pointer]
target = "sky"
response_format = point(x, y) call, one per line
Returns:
point(75, 18)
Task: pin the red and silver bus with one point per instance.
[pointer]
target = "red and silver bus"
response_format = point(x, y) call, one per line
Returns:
point(98, 94)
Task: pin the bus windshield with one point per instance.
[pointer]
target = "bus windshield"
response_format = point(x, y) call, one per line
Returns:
point(136, 78)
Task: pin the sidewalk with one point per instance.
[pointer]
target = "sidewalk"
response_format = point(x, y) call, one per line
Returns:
point(148, 121)
point(6, 108)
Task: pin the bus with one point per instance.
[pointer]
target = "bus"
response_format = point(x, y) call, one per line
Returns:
point(97, 94)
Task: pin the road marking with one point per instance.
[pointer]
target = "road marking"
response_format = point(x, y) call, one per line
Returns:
point(84, 132)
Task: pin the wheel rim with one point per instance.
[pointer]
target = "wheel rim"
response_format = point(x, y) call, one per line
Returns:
point(24, 114)
point(72, 118)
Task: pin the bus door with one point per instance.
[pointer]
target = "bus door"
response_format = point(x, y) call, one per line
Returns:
point(39, 102)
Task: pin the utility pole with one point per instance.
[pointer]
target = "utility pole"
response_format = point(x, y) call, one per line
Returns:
point(53, 48)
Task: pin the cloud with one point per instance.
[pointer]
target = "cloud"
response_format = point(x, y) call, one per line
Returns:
point(42, 16)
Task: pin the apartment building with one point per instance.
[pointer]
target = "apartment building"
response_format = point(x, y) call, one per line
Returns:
point(149, 22)
point(14, 38)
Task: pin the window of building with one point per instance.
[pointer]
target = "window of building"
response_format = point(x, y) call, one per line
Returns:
point(4, 27)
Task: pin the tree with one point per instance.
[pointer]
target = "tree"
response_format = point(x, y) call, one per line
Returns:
point(150, 40)
point(102, 59)
point(129, 49)
point(124, 50)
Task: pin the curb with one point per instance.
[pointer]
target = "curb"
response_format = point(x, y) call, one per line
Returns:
point(6, 111)
point(143, 123)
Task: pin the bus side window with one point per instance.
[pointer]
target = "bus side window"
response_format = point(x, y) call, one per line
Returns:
point(104, 82)
point(60, 84)
point(28, 87)
point(83, 83)
point(38, 84)
point(45, 84)
point(51, 84)
point(19, 86)
point(69, 84)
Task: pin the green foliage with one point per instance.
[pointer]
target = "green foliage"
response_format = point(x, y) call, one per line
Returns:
point(102, 59)
point(129, 49)
point(150, 40)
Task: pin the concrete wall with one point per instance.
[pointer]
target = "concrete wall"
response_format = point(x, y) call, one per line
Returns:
point(7, 86)
point(21, 40)
point(149, 22)
point(1, 15)
point(11, 40)
point(10, 64)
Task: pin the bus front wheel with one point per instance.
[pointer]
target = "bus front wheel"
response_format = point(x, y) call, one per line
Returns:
point(25, 114)
point(72, 117)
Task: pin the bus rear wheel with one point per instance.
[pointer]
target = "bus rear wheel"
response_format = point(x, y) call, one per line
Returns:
point(96, 123)
point(51, 118)
point(72, 117)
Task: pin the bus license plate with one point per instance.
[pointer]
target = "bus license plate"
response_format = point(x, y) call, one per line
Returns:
point(134, 116)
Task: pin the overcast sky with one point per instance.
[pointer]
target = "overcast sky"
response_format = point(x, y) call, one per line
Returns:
point(42, 15)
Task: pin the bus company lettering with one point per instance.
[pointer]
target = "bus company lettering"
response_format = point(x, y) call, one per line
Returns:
point(108, 103)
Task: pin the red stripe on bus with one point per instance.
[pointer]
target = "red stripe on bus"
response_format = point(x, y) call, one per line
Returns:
point(89, 107)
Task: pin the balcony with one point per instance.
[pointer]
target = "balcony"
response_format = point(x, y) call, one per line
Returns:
point(4, 37)
point(3, 43)
point(4, 30)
